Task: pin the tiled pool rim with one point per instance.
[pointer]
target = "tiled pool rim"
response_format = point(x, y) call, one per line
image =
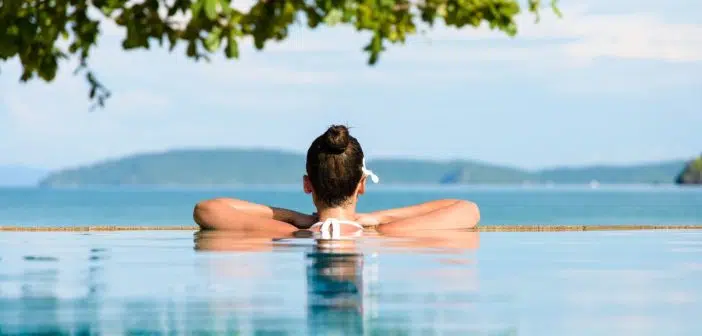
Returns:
point(485, 228)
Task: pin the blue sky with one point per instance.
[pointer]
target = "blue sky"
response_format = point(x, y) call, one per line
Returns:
point(609, 83)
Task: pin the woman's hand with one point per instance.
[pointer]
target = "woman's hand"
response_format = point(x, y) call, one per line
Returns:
point(303, 221)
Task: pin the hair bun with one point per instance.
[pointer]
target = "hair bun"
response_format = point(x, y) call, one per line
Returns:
point(336, 139)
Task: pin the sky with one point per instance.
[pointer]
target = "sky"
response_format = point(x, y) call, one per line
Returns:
point(611, 82)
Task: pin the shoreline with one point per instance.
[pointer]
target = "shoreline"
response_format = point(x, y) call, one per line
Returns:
point(485, 228)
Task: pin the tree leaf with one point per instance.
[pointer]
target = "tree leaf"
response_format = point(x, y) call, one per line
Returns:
point(213, 40)
point(211, 9)
point(31, 29)
point(554, 7)
point(232, 50)
point(226, 8)
point(192, 50)
point(196, 7)
point(333, 17)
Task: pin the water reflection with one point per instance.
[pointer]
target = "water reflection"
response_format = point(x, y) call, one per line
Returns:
point(108, 285)
point(38, 299)
point(428, 282)
point(232, 241)
point(336, 289)
point(342, 277)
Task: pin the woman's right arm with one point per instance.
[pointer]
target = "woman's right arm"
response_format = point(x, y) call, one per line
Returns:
point(439, 214)
point(233, 214)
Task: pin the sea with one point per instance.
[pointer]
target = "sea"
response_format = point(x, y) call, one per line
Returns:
point(432, 282)
point(499, 205)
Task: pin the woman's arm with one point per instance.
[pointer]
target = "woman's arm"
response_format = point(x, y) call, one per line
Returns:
point(233, 214)
point(440, 214)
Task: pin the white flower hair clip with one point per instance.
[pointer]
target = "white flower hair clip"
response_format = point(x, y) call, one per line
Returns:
point(368, 172)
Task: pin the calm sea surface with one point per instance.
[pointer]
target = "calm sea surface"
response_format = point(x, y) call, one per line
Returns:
point(428, 283)
point(499, 206)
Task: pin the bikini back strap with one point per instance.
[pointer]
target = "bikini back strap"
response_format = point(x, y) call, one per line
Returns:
point(331, 228)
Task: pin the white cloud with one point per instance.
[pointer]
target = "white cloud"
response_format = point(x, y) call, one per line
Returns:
point(249, 67)
point(579, 34)
point(636, 36)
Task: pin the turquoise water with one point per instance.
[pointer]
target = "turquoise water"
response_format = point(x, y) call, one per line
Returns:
point(428, 283)
point(457, 283)
point(508, 205)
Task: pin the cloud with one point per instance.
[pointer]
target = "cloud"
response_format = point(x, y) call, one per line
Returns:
point(585, 36)
point(636, 36)
point(250, 67)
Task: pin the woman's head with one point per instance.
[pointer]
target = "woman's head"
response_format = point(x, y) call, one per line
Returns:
point(335, 172)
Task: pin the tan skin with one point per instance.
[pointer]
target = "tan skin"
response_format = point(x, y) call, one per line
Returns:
point(238, 215)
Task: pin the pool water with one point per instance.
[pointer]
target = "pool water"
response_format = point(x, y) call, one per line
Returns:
point(436, 282)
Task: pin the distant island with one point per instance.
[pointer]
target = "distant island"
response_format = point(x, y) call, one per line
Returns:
point(692, 173)
point(228, 167)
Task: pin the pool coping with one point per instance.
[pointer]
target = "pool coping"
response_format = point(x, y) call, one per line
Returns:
point(484, 228)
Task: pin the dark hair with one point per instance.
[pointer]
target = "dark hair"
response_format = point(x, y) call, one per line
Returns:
point(334, 162)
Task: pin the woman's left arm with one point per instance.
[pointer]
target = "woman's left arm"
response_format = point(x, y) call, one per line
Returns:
point(234, 214)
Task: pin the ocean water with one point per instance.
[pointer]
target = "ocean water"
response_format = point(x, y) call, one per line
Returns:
point(499, 205)
point(184, 282)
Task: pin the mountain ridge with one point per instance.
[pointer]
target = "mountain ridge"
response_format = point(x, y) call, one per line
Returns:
point(233, 166)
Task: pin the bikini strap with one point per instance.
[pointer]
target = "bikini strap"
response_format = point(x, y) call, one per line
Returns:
point(331, 227)
point(334, 225)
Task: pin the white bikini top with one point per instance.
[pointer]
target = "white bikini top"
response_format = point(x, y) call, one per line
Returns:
point(331, 228)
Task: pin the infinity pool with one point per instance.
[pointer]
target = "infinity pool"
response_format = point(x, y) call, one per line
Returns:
point(448, 283)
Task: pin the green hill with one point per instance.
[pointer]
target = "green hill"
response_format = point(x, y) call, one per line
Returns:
point(187, 167)
point(413, 171)
point(221, 167)
point(661, 172)
point(691, 173)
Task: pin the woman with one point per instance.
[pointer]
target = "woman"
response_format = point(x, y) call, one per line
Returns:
point(336, 177)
